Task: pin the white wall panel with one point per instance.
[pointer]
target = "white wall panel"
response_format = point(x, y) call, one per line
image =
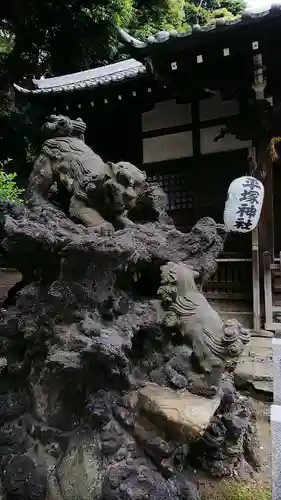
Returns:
point(167, 147)
point(166, 114)
point(228, 143)
point(214, 107)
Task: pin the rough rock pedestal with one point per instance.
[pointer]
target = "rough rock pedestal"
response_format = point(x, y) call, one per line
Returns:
point(83, 335)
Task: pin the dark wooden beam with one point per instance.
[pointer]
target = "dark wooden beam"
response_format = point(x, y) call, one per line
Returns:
point(265, 174)
point(195, 125)
point(263, 236)
point(196, 128)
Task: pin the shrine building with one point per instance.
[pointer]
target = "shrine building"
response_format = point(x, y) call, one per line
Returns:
point(164, 109)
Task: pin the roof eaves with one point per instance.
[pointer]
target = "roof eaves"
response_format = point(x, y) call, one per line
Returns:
point(99, 81)
point(162, 37)
point(118, 72)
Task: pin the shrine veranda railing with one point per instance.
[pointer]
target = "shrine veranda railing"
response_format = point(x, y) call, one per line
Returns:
point(232, 280)
point(272, 292)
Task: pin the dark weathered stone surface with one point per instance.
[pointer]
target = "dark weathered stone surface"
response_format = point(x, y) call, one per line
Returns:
point(81, 336)
point(230, 439)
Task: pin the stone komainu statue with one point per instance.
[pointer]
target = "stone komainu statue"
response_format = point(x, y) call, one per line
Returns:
point(90, 191)
point(213, 342)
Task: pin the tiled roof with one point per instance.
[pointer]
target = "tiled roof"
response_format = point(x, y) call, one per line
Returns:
point(105, 75)
point(131, 68)
point(249, 17)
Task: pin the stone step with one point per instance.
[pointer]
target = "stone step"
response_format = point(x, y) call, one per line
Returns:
point(255, 367)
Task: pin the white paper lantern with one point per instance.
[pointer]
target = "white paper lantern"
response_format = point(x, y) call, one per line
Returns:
point(243, 205)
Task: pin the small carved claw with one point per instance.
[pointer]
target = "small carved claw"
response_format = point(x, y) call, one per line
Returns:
point(201, 388)
point(192, 386)
point(171, 320)
point(213, 389)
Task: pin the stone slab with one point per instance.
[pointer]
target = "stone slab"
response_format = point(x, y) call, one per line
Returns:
point(276, 451)
point(262, 333)
point(256, 365)
point(181, 414)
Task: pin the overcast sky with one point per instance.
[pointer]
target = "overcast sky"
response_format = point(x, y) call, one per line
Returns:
point(257, 4)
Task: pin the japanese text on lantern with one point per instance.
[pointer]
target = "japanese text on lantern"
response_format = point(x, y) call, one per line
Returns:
point(249, 200)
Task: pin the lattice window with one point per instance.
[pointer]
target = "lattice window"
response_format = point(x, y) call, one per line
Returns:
point(175, 186)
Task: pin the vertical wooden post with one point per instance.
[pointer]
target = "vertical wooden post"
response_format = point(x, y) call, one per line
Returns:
point(136, 156)
point(266, 224)
point(256, 281)
point(268, 300)
point(195, 113)
point(263, 173)
point(263, 236)
point(256, 268)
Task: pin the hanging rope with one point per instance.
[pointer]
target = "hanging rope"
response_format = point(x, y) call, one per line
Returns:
point(274, 156)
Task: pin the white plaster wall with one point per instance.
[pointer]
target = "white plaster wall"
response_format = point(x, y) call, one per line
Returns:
point(228, 143)
point(179, 145)
point(167, 147)
point(210, 109)
point(166, 114)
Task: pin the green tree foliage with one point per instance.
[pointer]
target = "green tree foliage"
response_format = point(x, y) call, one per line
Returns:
point(181, 15)
point(233, 6)
point(9, 190)
point(61, 36)
point(151, 16)
point(206, 12)
point(50, 37)
point(6, 41)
